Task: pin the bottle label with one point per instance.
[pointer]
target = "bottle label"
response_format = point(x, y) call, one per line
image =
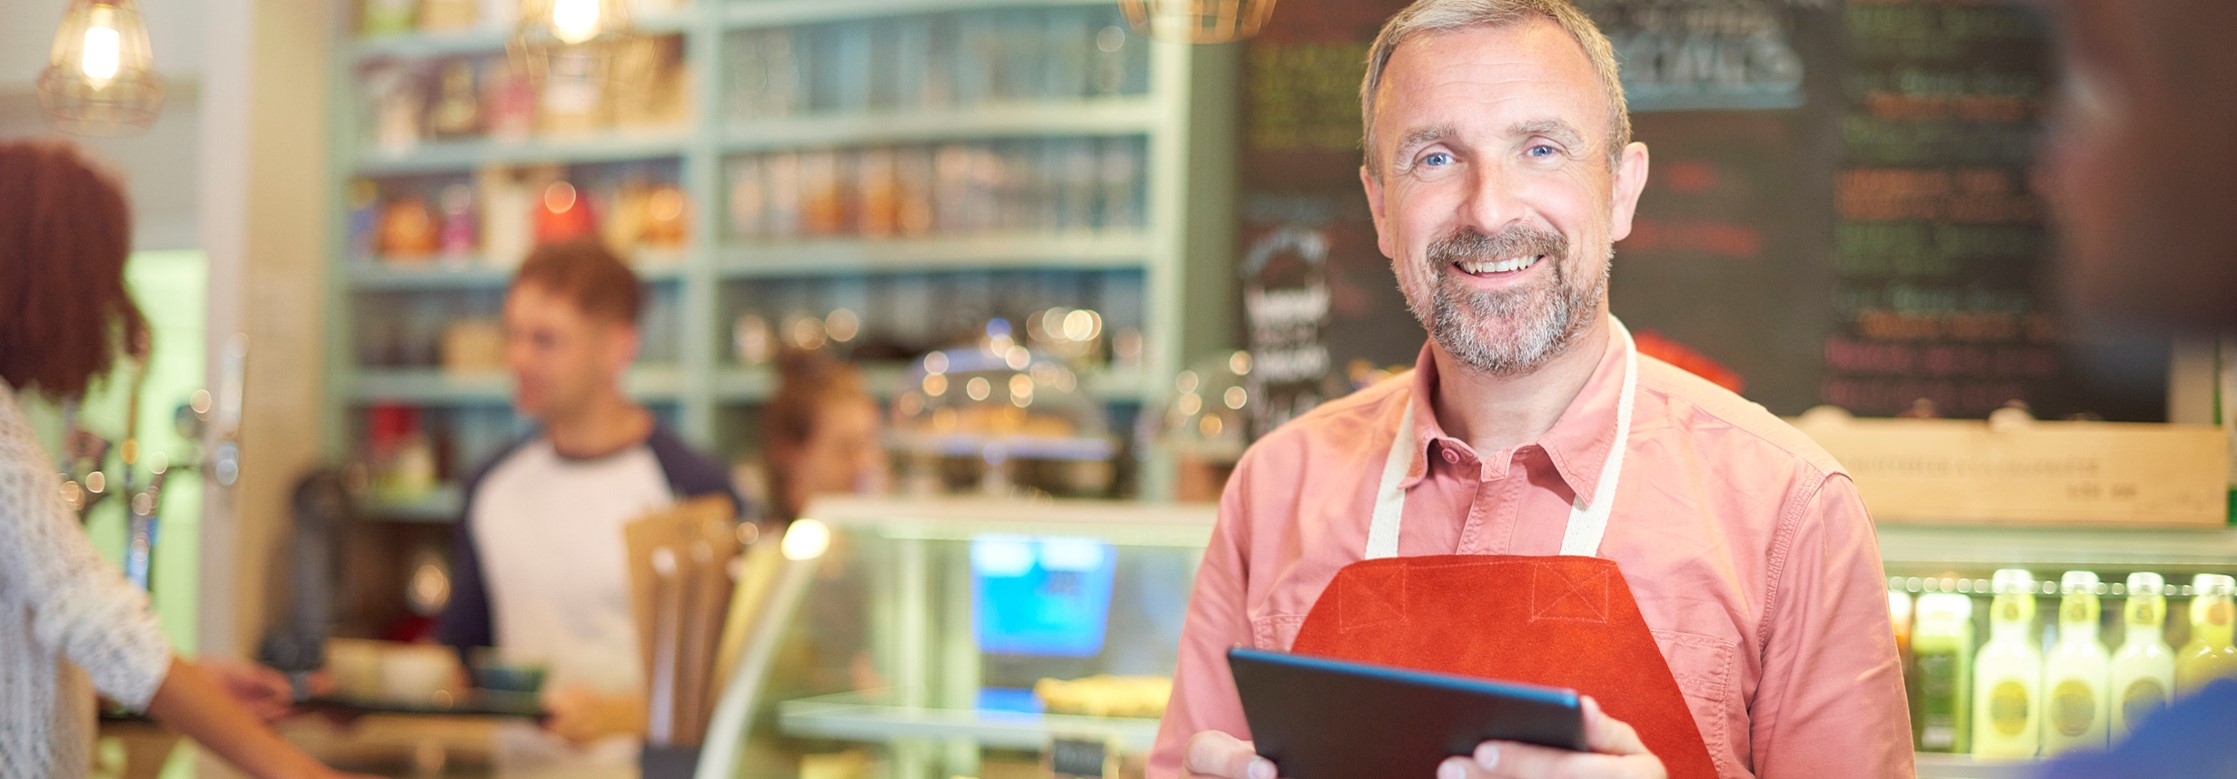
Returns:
point(2073, 708)
point(2218, 614)
point(1938, 685)
point(2007, 708)
point(2010, 612)
point(2143, 612)
point(2143, 696)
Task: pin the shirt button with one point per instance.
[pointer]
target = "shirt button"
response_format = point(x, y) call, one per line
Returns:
point(1451, 457)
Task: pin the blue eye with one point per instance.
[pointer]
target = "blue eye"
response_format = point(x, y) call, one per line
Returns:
point(1437, 159)
point(1540, 150)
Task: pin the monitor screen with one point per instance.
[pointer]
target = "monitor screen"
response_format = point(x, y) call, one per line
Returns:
point(1041, 596)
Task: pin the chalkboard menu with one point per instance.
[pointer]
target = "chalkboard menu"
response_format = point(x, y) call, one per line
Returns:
point(1839, 209)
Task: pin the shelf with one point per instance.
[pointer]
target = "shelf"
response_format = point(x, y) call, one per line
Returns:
point(1939, 766)
point(2053, 549)
point(753, 385)
point(1098, 116)
point(572, 149)
point(959, 517)
point(1082, 249)
point(481, 39)
point(776, 13)
point(441, 507)
point(474, 272)
point(854, 717)
point(436, 387)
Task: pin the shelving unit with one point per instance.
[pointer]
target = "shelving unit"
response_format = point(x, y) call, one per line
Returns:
point(1180, 248)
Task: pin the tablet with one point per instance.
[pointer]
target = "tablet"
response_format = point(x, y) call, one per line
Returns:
point(1327, 719)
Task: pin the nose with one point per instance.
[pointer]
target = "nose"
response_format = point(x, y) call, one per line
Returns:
point(1493, 200)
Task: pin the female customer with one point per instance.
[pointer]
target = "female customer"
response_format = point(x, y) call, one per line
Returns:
point(69, 623)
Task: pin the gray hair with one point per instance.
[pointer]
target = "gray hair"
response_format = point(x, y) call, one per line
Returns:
point(1428, 16)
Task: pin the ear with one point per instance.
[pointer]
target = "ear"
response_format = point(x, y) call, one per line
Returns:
point(622, 344)
point(1631, 179)
point(1374, 188)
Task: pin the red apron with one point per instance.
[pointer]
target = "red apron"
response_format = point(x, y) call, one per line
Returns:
point(1562, 621)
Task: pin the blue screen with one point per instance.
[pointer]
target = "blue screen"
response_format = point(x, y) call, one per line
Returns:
point(1041, 596)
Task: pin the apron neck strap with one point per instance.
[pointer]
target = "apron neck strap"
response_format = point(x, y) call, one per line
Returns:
point(1588, 519)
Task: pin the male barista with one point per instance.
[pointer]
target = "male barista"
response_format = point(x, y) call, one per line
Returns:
point(538, 571)
point(1537, 501)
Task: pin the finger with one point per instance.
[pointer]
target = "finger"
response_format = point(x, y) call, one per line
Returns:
point(1608, 735)
point(1213, 753)
point(1512, 760)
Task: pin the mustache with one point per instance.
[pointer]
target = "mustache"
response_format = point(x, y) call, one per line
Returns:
point(1513, 241)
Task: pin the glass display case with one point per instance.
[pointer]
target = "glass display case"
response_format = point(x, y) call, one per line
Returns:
point(957, 637)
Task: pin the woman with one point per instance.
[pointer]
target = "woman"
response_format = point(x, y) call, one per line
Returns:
point(68, 620)
point(820, 434)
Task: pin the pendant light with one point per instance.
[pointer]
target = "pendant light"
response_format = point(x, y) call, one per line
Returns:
point(1198, 21)
point(100, 78)
point(571, 40)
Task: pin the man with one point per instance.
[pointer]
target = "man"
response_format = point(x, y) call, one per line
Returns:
point(538, 570)
point(2142, 173)
point(1718, 589)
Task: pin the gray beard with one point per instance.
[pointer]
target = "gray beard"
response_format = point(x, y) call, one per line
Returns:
point(1547, 318)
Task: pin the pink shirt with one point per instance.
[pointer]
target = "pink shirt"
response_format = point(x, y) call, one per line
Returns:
point(1744, 543)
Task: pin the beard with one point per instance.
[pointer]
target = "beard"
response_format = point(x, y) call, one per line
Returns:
point(1509, 332)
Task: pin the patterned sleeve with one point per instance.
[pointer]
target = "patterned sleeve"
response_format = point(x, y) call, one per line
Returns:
point(79, 605)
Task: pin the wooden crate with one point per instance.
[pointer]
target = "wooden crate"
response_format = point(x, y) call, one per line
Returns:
point(2032, 472)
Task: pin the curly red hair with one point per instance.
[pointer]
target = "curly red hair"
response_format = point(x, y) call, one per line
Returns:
point(65, 232)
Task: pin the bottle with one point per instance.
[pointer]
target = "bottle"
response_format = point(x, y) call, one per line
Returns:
point(2075, 673)
point(2008, 673)
point(2209, 655)
point(2144, 668)
point(1942, 647)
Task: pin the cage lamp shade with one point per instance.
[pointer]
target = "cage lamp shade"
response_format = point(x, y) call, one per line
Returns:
point(1198, 21)
point(100, 78)
point(570, 39)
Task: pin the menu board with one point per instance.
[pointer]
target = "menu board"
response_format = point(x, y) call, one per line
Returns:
point(1942, 255)
point(1839, 209)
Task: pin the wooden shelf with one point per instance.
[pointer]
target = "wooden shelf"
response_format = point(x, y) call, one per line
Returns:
point(440, 388)
point(1081, 249)
point(475, 272)
point(753, 385)
point(1087, 117)
point(466, 156)
point(483, 39)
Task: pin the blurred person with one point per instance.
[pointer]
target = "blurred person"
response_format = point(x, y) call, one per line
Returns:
point(2141, 173)
point(1728, 584)
point(2141, 170)
point(70, 625)
point(538, 568)
point(820, 434)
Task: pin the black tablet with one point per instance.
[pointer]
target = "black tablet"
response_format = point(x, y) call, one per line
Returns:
point(1327, 719)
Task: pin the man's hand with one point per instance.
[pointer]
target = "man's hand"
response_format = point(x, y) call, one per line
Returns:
point(1616, 754)
point(1216, 755)
point(581, 715)
point(263, 691)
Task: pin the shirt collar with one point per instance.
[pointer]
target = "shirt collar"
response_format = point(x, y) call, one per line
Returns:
point(1578, 443)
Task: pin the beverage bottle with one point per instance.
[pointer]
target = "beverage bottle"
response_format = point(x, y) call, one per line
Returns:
point(2008, 673)
point(2076, 672)
point(2144, 669)
point(1942, 650)
point(2209, 655)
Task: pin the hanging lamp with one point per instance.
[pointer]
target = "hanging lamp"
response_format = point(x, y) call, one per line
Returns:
point(571, 40)
point(1198, 21)
point(100, 78)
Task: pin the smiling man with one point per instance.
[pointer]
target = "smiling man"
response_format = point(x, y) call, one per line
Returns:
point(1536, 501)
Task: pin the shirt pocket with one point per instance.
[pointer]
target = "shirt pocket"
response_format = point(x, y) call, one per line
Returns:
point(1275, 632)
point(1702, 666)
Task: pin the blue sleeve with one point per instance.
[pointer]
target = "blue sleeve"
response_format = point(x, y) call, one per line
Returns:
point(690, 474)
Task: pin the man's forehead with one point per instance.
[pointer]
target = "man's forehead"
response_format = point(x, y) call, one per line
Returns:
point(1531, 65)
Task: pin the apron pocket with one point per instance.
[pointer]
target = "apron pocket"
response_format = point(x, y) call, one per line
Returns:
point(1702, 665)
point(1276, 633)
